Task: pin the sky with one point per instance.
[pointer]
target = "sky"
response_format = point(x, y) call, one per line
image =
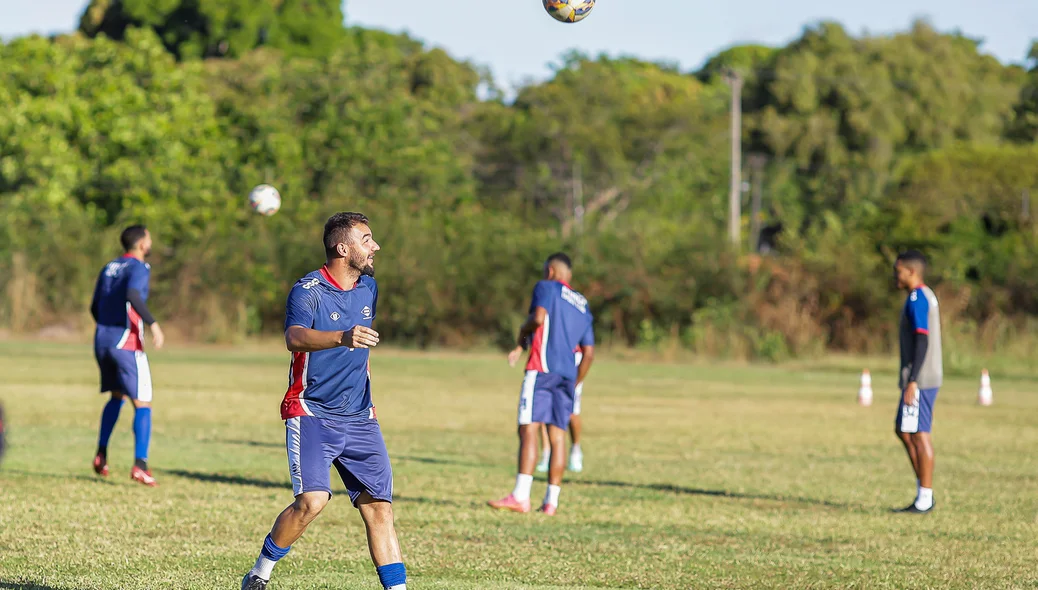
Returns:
point(518, 41)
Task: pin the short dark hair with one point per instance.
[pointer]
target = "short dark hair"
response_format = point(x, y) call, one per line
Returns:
point(912, 256)
point(131, 236)
point(337, 230)
point(559, 257)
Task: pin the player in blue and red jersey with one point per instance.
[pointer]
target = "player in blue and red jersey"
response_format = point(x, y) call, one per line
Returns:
point(328, 413)
point(119, 307)
point(559, 322)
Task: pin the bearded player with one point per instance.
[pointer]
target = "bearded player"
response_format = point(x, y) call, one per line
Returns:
point(329, 417)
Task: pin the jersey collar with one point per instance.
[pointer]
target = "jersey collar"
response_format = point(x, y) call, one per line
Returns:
point(564, 283)
point(328, 277)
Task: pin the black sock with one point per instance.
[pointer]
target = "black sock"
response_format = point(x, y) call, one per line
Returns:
point(140, 463)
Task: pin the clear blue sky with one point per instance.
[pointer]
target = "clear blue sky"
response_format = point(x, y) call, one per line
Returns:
point(518, 40)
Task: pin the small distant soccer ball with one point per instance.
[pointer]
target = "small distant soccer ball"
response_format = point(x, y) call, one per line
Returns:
point(568, 11)
point(265, 200)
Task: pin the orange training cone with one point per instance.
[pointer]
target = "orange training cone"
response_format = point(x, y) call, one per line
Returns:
point(984, 395)
point(865, 391)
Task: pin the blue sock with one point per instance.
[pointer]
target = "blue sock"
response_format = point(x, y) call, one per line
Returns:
point(109, 416)
point(271, 551)
point(393, 574)
point(142, 433)
point(268, 558)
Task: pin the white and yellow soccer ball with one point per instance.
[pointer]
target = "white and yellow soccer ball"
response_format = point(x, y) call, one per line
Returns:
point(568, 11)
point(265, 200)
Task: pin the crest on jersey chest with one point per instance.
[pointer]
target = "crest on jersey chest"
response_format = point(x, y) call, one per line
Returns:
point(366, 312)
point(335, 316)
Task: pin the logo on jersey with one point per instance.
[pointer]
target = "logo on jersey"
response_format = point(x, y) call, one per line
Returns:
point(366, 312)
point(575, 299)
point(310, 283)
point(113, 268)
point(335, 316)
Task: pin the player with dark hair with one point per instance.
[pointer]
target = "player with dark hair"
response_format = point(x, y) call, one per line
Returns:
point(328, 413)
point(119, 307)
point(559, 322)
point(920, 376)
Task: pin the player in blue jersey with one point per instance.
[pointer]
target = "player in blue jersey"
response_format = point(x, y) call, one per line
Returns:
point(559, 322)
point(921, 374)
point(329, 417)
point(119, 307)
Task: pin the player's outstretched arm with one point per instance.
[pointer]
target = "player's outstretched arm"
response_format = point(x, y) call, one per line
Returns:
point(588, 357)
point(300, 339)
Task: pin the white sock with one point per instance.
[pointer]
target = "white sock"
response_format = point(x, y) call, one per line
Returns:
point(522, 487)
point(925, 499)
point(398, 587)
point(263, 568)
point(552, 495)
point(575, 450)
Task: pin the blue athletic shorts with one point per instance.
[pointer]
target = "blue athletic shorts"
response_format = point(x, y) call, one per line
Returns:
point(354, 446)
point(927, 397)
point(546, 398)
point(126, 371)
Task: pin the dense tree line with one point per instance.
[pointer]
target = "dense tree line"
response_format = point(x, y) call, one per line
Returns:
point(168, 113)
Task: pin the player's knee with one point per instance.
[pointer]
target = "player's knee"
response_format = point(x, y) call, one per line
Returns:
point(311, 504)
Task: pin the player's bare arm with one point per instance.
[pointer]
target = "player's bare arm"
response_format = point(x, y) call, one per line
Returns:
point(585, 362)
point(534, 321)
point(300, 339)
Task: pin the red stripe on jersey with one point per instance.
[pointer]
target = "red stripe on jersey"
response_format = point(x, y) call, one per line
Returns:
point(536, 362)
point(291, 407)
point(135, 330)
point(922, 331)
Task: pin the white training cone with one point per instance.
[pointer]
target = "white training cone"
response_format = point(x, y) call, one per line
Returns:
point(865, 391)
point(984, 395)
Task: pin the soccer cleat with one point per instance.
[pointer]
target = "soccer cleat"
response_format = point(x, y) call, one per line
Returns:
point(139, 475)
point(510, 503)
point(547, 509)
point(576, 462)
point(253, 582)
point(911, 509)
point(542, 467)
point(101, 465)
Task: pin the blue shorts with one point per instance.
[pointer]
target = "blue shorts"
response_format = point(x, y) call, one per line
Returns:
point(354, 446)
point(546, 398)
point(126, 371)
point(927, 397)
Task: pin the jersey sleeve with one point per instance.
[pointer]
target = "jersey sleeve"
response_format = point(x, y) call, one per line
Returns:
point(301, 307)
point(138, 280)
point(588, 339)
point(919, 312)
point(374, 299)
point(542, 295)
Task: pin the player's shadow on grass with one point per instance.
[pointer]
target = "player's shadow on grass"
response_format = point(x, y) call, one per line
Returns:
point(63, 476)
point(675, 489)
point(440, 461)
point(24, 586)
point(266, 484)
point(247, 443)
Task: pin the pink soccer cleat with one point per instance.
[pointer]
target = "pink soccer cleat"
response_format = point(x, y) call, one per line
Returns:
point(510, 503)
point(101, 465)
point(139, 475)
point(547, 509)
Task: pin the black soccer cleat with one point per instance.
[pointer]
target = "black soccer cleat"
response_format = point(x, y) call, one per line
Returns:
point(911, 509)
point(253, 582)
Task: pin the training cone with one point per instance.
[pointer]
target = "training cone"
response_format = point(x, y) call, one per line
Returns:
point(984, 395)
point(865, 391)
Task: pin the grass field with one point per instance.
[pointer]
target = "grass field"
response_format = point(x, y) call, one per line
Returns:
point(696, 476)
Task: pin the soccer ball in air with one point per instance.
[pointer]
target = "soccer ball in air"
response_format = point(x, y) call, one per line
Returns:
point(265, 200)
point(568, 11)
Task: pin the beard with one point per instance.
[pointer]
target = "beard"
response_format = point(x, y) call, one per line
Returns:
point(361, 265)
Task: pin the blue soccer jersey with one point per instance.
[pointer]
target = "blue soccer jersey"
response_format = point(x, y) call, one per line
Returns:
point(332, 384)
point(567, 326)
point(118, 323)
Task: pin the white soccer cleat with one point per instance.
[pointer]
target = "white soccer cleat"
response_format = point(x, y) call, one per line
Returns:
point(576, 462)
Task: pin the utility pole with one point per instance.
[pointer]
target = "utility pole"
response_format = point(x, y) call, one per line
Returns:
point(756, 162)
point(735, 191)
